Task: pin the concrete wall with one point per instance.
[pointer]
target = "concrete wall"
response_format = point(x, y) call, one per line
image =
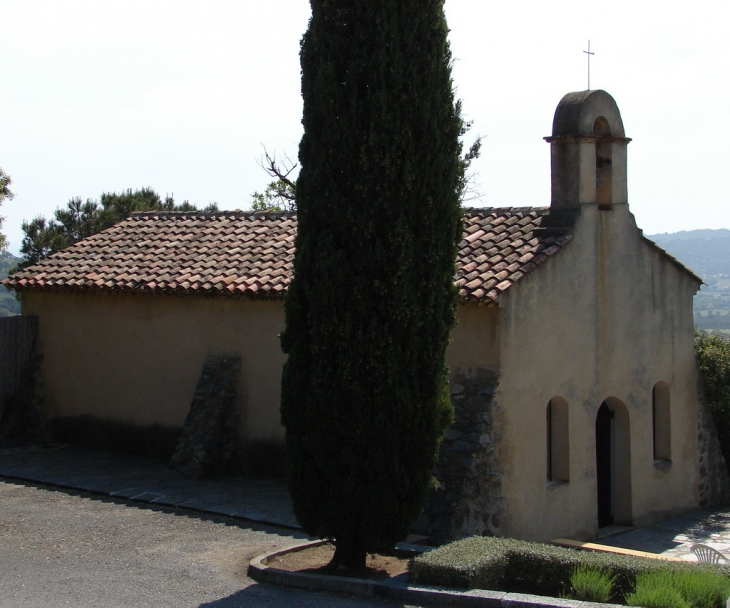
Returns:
point(608, 317)
point(137, 359)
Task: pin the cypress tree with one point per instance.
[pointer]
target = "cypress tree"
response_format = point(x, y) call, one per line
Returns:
point(372, 301)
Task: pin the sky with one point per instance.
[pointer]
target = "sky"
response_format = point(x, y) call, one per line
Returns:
point(181, 95)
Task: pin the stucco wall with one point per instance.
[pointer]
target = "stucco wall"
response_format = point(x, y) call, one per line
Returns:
point(473, 343)
point(608, 317)
point(137, 359)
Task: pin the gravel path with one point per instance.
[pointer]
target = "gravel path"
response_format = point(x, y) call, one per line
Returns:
point(67, 548)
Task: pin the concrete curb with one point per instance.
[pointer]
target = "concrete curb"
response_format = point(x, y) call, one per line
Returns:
point(399, 589)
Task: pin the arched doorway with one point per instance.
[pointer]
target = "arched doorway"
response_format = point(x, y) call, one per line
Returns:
point(613, 463)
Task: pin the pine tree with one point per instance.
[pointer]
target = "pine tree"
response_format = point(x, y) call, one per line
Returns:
point(372, 302)
point(79, 220)
point(5, 193)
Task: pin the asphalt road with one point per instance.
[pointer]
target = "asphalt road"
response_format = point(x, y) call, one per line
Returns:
point(66, 548)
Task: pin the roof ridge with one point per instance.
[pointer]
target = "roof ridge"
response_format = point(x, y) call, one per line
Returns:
point(504, 210)
point(237, 213)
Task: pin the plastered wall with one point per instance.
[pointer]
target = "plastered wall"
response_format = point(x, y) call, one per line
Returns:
point(473, 344)
point(137, 359)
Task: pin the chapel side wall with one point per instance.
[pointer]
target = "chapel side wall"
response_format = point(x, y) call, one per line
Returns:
point(137, 359)
point(467, 500)
point(608, 316)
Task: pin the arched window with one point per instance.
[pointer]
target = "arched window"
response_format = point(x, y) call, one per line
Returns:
point(558, 444)
point(604, 162)
point(661, 422)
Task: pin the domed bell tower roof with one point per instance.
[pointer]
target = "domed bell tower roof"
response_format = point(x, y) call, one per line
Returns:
point(588, 153)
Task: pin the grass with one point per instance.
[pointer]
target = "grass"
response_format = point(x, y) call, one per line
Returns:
point(653, 597)
point(700, 589)
point(589, 585)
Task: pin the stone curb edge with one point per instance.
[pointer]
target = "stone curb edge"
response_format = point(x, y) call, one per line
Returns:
point(398, 588)
point(161, 503)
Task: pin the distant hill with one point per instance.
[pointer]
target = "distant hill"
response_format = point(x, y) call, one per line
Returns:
point(707, 253)
point(685, 235)
point(8, 304)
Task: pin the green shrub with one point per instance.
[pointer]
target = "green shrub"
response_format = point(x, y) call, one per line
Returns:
point(469, 563)
point(504, 564)
point(698, 589)
point(657, 597)
point(713, 356)
point(589, 585)
point(703, 589)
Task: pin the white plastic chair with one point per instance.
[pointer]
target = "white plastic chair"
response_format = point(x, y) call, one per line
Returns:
point(708, 555)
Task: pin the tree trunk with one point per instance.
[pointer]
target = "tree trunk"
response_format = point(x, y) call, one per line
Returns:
point(348, 556)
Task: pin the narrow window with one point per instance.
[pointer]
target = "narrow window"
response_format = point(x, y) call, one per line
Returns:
point(558, 448)
point(661, 422)
point(604, 161)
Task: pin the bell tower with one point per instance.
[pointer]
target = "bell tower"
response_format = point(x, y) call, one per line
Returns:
point(588, 153)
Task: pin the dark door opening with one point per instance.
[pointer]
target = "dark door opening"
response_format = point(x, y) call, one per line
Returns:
point(604, 464)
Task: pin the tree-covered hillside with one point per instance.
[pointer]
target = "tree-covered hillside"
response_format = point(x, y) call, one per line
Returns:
point(8, 304)
point(707, 252)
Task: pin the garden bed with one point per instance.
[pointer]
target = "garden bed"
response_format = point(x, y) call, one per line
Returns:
point(316, 558)
point(515, 566)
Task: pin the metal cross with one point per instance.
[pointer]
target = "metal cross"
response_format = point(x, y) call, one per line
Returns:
point(588, 52)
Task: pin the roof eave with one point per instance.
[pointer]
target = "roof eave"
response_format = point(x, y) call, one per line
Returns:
point(674, 260)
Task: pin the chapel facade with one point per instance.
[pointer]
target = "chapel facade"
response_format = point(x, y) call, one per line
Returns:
point(593, 406)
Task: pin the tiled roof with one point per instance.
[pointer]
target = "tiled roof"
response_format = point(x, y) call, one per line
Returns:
point(250, 254)
point(500, 246)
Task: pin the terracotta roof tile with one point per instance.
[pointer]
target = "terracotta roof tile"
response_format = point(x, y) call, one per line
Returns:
point(251, 254)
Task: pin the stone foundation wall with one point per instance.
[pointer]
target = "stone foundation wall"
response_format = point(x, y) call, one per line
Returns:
point(17, 338)
point(210, 436)
point(714, 479)
point(468, 498)
point(21, 381)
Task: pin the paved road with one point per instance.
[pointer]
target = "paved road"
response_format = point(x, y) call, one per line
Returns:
point(68, 548)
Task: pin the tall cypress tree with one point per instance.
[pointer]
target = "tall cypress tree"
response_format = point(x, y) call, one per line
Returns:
point(372, 302)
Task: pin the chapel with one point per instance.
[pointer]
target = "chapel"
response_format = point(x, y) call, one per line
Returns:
point(578, 401)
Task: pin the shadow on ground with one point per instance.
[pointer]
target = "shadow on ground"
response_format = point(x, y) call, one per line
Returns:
point(270, 595)
point(176, 511)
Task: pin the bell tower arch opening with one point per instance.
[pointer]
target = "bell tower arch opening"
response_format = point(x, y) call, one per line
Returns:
point(604, 164)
